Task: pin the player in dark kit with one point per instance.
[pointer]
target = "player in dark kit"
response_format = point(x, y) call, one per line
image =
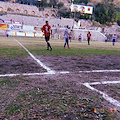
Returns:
point(88, 37)
point(47, 31)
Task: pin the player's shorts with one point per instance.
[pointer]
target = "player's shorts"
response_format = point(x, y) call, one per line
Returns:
point(69, 37)
point(113, 40)
point(47, 38)
point(88, 39)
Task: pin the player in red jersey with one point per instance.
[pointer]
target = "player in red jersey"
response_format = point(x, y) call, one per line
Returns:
point(88, 37)
point(47, 31)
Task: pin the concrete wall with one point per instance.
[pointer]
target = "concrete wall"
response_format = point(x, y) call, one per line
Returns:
point(95, 35)
point(38, 21)
point(17, 8)
point(58, 33)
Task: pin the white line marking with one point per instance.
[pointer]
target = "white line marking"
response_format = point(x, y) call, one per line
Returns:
point(26, 74)
point(110, 82)
point(38, 61)
point(104, 82)
point(105, 96)
point(30, 74)
point(99, 71)
point(10, 75)
point(62, 72)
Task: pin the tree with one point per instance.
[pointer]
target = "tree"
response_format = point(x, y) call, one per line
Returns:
point(64, 12)
point(112, 13)
point(118, 17)
point(101, 12)
point(105, 13)
point(60, 4)
point(53, 2)
point(81, 1)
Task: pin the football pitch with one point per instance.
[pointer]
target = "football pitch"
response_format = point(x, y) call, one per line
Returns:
point(79, 83)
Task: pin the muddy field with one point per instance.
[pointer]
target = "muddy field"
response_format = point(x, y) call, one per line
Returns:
point(58, 96)
point(60, 63)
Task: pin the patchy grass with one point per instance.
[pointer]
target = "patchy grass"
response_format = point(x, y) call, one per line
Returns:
point(12, 52)
point(9, 82)
point(13, 108)
point(74, 51)
point(46, 101)
point(10, 48)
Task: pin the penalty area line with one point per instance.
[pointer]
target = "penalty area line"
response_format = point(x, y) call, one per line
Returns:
point(105, 82)
point(104, 95)
point(32, 74)
point(26, 74)
point(64, 72)
point(99, 71)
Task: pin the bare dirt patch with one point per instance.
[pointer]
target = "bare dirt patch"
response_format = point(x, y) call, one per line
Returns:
point(19, 65)
point(87, 62)
point(59, 96)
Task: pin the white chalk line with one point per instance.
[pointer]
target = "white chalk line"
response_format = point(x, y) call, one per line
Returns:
point(104, 82)
point(25, 74)
point(99, 71)
point(38, 61)
point(32, 74)
point(104, 95)
point(61, 72)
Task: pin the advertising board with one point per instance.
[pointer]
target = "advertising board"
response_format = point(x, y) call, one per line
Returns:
point(3, 26)
point(81, 8)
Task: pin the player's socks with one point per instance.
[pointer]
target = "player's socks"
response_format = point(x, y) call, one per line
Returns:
point(51, 49)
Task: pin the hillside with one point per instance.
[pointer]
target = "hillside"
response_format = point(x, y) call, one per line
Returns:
point(55, 2)
point(103, 13)
point(115, 2)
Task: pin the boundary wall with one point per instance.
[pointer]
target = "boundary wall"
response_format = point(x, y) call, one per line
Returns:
point(95, 35)
point(16, 8)
point(25, 34)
